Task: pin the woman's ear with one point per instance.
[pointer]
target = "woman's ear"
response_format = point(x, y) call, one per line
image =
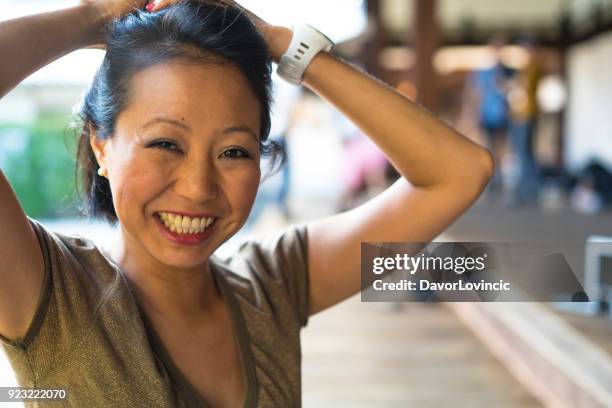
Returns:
point(98, 146)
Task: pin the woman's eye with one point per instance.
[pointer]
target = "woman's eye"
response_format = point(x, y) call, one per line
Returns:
point(236, 154)
point(164, 144)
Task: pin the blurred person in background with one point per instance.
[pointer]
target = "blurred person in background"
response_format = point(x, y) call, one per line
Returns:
point(488, 88)
point(286, 102)
point(364, 167)
point(174, 126)
point(523, 124)
point(282, 196)
point(593, 189)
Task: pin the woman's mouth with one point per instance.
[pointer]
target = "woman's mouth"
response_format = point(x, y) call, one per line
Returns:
point(185, 230)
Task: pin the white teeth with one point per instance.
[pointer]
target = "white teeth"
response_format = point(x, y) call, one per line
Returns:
point(185, 225)
point(195, 224)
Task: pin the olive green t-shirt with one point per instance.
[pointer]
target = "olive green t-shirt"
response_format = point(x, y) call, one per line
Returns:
point(90, 336)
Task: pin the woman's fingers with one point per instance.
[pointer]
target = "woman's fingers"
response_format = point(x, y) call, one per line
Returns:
point(277, 38)
point(111, 9)
point(97, 46)
point(154, 5)
point(262, 25)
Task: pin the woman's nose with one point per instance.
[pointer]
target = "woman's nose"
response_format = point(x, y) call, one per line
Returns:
point(198, 182)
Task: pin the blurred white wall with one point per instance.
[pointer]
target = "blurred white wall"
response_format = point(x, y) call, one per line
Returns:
point(452, 14)
point(589, 115)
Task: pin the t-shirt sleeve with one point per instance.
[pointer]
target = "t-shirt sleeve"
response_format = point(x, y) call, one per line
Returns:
point(71, 296)
point(43, 297)
point(279, 264)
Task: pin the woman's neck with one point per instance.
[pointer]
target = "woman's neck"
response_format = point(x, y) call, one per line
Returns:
point(177, 295)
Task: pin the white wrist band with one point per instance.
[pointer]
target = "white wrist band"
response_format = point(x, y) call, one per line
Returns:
point(306, 43)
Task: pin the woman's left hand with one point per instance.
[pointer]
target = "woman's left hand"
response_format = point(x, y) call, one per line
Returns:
point(278, 38)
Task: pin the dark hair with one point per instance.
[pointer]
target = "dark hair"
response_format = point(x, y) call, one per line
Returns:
point(194, 31)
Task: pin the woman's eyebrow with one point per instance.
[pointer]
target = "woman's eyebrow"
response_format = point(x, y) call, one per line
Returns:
point(243, 129)
point(166, 120)
point(182, 125)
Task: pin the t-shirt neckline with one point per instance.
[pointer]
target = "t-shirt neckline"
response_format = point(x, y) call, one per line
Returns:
point(183, 385)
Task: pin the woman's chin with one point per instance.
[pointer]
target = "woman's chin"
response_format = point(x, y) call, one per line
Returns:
point(184, 262)
point(183, 257)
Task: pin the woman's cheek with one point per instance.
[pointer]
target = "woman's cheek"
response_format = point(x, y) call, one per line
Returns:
point(244, 188)
point(136, 181)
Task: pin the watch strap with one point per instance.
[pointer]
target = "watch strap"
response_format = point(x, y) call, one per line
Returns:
point(306, 43)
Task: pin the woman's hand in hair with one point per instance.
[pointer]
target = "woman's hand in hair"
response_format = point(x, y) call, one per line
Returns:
point(278, 38)
point(104, 11)
point(111, 9)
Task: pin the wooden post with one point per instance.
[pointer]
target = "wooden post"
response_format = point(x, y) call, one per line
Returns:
point(374, 44)
point(426, 42)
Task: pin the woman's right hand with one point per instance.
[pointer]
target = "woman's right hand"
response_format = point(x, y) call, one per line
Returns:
point(104, 11)
point(110, 9)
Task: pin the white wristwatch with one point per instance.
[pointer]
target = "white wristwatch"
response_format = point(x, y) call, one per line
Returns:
point(306, 43)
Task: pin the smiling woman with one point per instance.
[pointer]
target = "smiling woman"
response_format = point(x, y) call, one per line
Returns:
point(174, 153)
point(205, 58)
point(174, 127)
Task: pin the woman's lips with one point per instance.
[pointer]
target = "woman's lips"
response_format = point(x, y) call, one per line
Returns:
point(185, 239)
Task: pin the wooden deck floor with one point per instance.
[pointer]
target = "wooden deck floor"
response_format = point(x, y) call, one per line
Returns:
point(486, 222)
point(597, 328)
point(420, 355)
point(361, 355)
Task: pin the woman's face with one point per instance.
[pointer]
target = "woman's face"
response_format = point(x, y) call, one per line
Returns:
point(186, 144)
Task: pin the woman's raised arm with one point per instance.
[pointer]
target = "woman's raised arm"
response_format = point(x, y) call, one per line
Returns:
point(443, 174)
point(27, 44)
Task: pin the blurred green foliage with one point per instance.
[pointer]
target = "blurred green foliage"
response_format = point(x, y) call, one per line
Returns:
point(42, 172)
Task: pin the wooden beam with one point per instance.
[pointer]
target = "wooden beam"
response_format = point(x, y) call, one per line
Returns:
point(549, 357)
point(374, 44)
point(426, 42)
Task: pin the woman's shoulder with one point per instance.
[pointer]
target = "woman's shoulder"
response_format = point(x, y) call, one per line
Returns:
point(268, 255)
point(270, 269)
point(71, 240)
point(80, 287)
point(72, 256)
